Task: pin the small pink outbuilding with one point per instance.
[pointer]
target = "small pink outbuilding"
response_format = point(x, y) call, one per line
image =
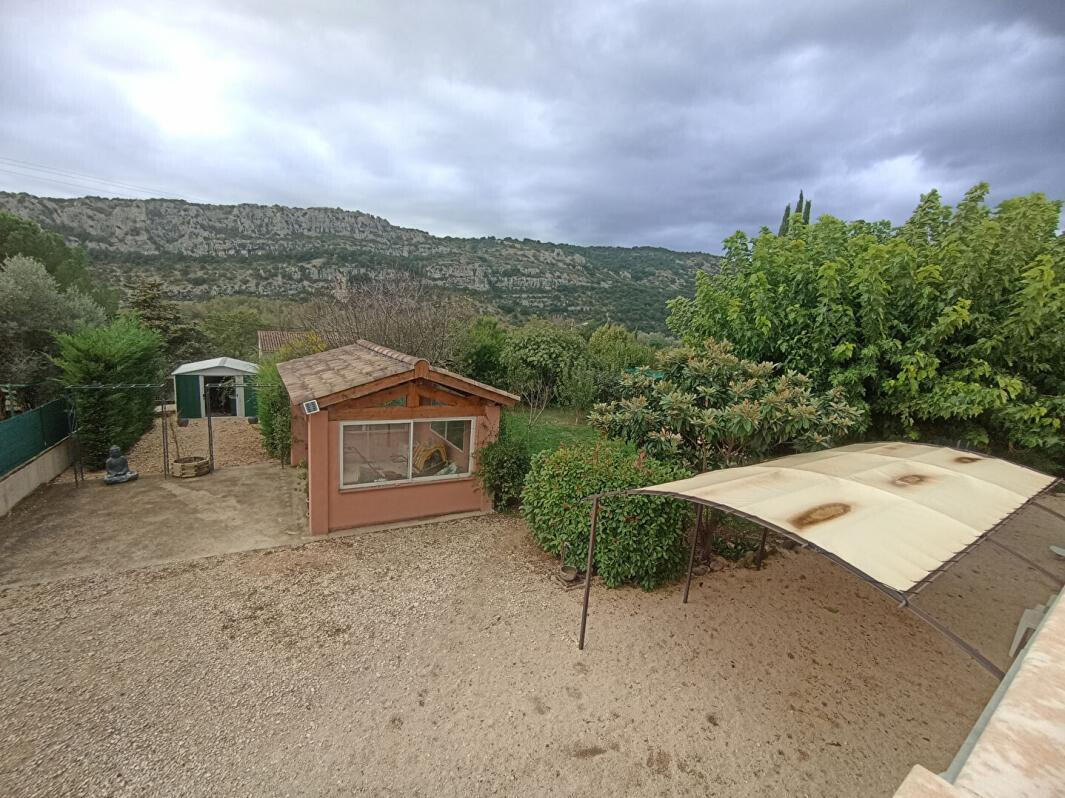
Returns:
point(387, 437)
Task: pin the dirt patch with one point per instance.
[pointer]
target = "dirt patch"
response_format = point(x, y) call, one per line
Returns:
point(236, 442)
point(441, 660)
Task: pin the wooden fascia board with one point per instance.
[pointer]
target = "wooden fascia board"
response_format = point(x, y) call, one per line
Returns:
point(465, 386)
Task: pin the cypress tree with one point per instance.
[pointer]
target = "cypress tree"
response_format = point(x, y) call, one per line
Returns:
point(784, 222)
point(806, 213)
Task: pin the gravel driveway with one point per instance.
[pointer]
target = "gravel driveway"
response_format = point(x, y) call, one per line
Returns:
point(440, 660)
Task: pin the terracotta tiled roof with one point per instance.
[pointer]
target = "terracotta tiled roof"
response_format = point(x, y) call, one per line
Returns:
point(321, 375)
point(272, 340)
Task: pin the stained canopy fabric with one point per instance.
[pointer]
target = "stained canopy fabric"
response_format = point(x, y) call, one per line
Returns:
point(896, 512)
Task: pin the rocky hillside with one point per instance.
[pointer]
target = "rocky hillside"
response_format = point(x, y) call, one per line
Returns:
point(201, 251)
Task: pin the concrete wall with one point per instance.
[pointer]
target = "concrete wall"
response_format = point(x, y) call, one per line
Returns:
point(1017, 749)
point(18, 484)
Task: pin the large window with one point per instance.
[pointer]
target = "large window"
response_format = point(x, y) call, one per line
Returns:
point(374, 453)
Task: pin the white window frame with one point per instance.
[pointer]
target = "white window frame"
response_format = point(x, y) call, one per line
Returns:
point(411, 479)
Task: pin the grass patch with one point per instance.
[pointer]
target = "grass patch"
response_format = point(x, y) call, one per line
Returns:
point(554, 427)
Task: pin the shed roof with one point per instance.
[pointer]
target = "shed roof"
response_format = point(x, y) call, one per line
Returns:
point(895, 512)
point(216, 363)
point(330, 376)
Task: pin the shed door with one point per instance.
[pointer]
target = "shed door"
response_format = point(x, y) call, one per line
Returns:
point(187, 393)
point(251, 405)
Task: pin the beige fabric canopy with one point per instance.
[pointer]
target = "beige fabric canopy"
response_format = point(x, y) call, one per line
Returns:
point(896, 512)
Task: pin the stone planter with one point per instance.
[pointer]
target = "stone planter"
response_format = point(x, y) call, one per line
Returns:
point(186, 467)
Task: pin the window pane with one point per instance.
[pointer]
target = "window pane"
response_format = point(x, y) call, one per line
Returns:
point(375, 453)
point(441, 448)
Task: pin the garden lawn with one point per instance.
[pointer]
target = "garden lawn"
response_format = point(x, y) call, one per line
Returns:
point(554, 427)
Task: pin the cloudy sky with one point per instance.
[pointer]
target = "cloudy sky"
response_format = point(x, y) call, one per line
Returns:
point(664, 123)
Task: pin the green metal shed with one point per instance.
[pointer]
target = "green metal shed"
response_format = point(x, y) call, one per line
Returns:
point(225, 382)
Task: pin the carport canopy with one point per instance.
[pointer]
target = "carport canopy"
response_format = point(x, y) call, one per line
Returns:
point(895, 514)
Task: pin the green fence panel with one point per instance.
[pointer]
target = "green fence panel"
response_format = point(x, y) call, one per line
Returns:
point(26, 435)
point(55, 423)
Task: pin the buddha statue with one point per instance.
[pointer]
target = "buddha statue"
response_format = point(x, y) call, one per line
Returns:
point(118, 468)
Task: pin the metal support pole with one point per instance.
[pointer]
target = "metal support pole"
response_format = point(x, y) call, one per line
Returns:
point(691, 555)
point(761, 549)
point(588, 572)
point(1049, 574)
point(162, 425)
point(210, 429)
point(965, 646)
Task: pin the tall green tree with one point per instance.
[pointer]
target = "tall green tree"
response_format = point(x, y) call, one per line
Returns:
point(68, 265)
point(617, 348)
point(182, 340)
point(948, 327)
point(537, 356)
point(802, 210)
point(232, 333)
point(479, 350)
point(33, 308)
point(122, 352)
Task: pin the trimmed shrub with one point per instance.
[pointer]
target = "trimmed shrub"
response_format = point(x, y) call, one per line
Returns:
point(273, 404)
point(502, 466)
point(639, 539)
point(123, 352)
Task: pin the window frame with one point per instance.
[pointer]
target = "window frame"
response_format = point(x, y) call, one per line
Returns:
point(411, 479)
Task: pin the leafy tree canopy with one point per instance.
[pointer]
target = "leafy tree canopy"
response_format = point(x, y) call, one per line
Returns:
point(68, 265)
point(617, 348)
point(233, 333)
point(712, 409)
point(537, 355)
point(947, 327)
point(32, 309)
point(479, 350)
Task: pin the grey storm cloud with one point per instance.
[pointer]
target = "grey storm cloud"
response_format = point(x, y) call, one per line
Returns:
point(662, 123)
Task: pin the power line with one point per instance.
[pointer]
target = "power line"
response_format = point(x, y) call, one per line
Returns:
point(52, 180)
point(81, 176)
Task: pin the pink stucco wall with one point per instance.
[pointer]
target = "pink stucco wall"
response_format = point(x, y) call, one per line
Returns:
point(333, 509)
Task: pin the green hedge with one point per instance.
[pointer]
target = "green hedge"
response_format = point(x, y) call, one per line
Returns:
point(640, 539)
point(503, 464)
point(123, 352)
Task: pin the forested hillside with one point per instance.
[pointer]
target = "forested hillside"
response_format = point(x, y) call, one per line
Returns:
point(203, 251)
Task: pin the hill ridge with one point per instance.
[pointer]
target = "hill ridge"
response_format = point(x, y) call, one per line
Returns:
point(203, 250)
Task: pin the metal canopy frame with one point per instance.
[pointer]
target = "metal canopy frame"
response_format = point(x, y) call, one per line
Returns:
point(902, 597)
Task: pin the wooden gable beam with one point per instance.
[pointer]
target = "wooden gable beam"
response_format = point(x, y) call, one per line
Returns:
point(466, 386)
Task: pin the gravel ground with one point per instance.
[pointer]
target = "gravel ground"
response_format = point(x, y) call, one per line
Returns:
point(441, 660)
point(236, 442)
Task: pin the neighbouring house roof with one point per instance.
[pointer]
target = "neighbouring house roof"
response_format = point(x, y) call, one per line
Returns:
point(332, 375)
point(895, 512)
point(272, 340)
point(216, 363)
